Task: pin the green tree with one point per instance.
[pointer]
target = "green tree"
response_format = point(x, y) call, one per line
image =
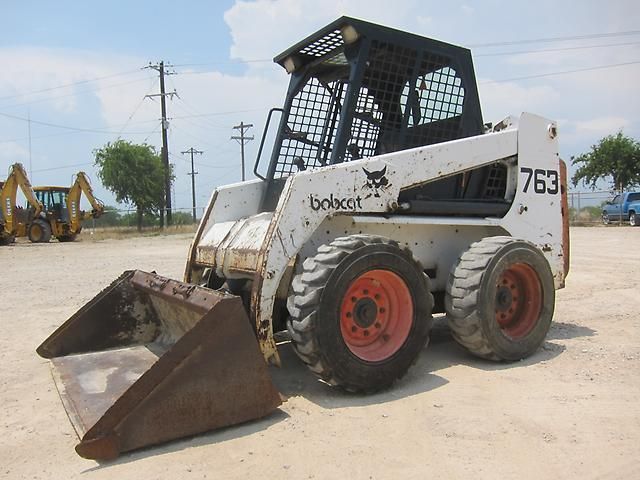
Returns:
point(110, 218)
point(134, 173)
point(616, 157)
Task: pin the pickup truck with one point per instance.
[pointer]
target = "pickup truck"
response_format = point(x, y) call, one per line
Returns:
point(624, 206)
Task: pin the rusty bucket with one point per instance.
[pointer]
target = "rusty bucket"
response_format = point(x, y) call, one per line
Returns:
point(151, 359)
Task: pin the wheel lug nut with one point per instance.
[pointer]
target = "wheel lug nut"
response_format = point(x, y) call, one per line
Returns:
point(377, 296)
point(385, 337)
point(348, 314)
point(354, 299)
point(382, 310)
point(377, 325)
point(365, 291)
point(354, 328)
point(366, 333)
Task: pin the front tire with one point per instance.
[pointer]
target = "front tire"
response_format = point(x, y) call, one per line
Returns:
point(634, 219)
point(360, 312)
point(605, 218)
point(500, 299)
point(39, 231)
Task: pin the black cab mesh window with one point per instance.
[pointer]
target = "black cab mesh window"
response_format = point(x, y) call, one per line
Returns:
point(435, 96)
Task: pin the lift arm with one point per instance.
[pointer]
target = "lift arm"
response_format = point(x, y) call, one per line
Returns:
point(17, 178)
point(82, 185)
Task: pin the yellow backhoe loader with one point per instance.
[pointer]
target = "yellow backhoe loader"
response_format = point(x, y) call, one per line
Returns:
point(386, 199)
point(62, 217)
point(13, 219)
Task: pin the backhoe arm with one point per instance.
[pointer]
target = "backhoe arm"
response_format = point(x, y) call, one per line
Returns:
point(82, 185)
point(17, 178)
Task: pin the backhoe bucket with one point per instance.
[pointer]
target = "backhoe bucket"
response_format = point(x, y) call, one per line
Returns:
point(151, 359)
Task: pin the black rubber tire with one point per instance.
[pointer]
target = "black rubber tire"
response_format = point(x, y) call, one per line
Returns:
point(314, 322)
point(634, 219)
point(67, 238)
point(8, 240)
point(471, 298)
point(605, 218)
point(39, 231)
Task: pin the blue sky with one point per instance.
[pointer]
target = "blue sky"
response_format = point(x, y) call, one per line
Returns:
point(77, 65)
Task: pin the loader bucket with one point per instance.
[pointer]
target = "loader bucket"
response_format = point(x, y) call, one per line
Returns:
point(151, 359)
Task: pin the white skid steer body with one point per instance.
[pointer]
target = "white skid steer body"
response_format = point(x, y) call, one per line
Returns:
point(316, 206)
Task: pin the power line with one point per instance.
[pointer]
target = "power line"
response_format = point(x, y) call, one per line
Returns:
point(551, 74)
point(135, 110)
point(155, 130)
point(194, 137)
point(95, 130)
point(190, 109)
point(264, 60)
point(223, 62)
point(211, 114)
point(557, 39)
point(187, 113)
point(74, 94)
point(586, 47)
point(62, 167)
point(217, 167)
point(81, 82)
point(55, 125)
point(59, 134)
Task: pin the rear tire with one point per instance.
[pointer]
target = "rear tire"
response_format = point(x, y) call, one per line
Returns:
point(7, 240)
point(605, 218)
point(39, 231)
point(500, 299)
point(360, 312)
point(634, 219)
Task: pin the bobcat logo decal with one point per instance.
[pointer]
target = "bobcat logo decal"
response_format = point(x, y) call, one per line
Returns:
point(376, 181)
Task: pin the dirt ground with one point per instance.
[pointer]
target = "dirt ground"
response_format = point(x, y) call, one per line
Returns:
point(570, 411)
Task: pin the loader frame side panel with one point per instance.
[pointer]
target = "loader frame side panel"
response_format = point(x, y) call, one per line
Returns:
point(436, 246)
point(227, 203)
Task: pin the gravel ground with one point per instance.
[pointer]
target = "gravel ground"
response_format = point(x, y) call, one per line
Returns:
point(572, 410)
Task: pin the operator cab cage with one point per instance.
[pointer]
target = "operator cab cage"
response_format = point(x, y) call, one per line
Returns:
point(54, 200)
point(358, 89)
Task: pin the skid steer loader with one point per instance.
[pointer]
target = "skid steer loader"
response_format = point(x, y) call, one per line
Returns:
point(13, 219)
point(386, 199)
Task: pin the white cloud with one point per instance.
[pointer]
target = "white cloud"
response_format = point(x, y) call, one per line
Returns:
point(10, 153)
point(467, 10)
point(501, 99)
point(588, 132)
point(264, 28)
point(602, 126)
point(31, 69)
point(424, 21)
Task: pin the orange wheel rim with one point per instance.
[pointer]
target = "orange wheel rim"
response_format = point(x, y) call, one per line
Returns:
point(518, 301)
point(376, 315)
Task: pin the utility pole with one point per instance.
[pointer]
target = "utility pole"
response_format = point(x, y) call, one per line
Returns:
point(242, 140)
point(193, 174)
point(165, 147)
